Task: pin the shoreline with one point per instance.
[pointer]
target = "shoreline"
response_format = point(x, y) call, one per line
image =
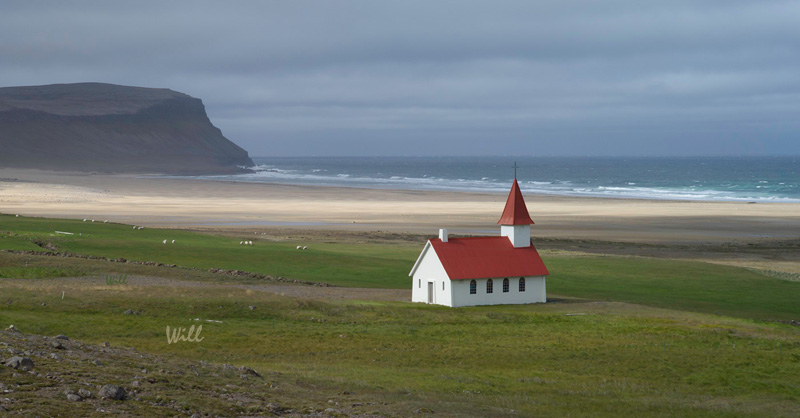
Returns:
point(170, 202)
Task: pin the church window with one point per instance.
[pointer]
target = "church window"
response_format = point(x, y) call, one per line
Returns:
point(473, 287)
point(419, 282)
point(521, 284)
point(505, 285)
point(442, 285)
point(489, 286)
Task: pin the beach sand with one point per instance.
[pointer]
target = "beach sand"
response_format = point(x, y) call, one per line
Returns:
point(190, 203)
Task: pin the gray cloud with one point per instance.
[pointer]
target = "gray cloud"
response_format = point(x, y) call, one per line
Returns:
point(461, 77)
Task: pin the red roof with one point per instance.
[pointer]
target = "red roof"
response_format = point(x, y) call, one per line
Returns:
point(484, 257)
point(515, 212)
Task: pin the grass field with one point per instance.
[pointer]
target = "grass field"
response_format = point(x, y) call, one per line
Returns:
point(701, 346)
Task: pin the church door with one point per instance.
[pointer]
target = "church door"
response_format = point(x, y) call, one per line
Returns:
point(430, 292)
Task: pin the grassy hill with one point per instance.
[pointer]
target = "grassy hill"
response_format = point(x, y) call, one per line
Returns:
point(629, 335)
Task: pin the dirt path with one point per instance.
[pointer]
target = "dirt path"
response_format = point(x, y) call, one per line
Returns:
point(297, 291)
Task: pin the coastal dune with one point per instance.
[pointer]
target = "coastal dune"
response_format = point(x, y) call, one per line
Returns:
point(185, 203)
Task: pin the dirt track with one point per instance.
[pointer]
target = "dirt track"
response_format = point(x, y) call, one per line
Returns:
point(298, 291)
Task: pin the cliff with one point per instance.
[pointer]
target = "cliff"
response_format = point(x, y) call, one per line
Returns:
point(111, 128)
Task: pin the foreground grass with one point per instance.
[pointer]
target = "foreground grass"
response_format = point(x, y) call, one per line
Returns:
point(574, 358)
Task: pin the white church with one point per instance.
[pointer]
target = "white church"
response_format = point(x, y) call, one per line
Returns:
point(483, 270)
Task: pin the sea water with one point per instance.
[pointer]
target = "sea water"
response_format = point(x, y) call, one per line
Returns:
point(757, 179)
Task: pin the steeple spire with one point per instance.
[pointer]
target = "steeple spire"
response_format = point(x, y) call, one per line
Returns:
point(515, 212)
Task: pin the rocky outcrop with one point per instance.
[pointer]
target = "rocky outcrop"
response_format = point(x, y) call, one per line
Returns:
point(111, 128)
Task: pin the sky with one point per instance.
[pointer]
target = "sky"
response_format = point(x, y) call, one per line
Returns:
point(529, 77)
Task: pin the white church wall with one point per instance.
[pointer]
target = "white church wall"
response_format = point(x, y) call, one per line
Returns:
point(520, 235)
point(430, 269)
point(535, 292)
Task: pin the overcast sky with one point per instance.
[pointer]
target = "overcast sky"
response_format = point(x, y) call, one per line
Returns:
point(625, 77)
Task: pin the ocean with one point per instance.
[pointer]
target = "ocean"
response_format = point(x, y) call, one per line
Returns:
point(756, 179)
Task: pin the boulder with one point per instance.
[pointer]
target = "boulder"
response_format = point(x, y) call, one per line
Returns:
point(20, 363)
point(111, 392)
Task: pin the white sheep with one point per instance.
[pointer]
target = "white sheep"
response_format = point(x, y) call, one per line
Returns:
point(165, 241)
point(305, 248)
point(84, 220)
point(299, 247)
point(241, 242)
point(173, 241)
point(134, 227)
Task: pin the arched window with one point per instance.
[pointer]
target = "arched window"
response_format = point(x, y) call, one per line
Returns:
point(505, 285)
point(489, 286)
point(473, 287)
point(521, 284)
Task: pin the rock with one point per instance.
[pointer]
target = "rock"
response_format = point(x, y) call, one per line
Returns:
point(275, 408)
point(44, 304)
point(252, 307)
point(111, 392)
point(249, 371)
point(423, 411)
point(74, 398)
point(55, 356)
point(62, 337)
point(97, 363)
point(136, 383)
point(21, 363)
point(106, 344)
point(57, 345)
point(85, 393)
point(128, 312)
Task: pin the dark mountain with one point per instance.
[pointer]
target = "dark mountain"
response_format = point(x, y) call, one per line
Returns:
point(110, 128)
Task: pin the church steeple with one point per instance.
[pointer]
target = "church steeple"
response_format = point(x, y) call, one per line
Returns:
point(515, 222)
point(515, 212)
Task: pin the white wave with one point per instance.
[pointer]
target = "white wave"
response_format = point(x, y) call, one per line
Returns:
point(272, 174)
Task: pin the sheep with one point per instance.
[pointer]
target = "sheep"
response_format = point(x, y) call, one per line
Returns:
point(105, 222)
point(84, 220)
point(165, 241)
point(241, 242)
point(299, 247)
point(134, 227)
point(305, 248)
point(173, 241)
point(251, 242)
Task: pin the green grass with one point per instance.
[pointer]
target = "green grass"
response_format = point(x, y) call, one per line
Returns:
point(36, 272)
point(575, 357)
point(677, 284)
point(341, 264)
point(481, 361)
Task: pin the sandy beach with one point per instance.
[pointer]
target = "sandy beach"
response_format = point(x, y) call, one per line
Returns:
point(190, 203)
